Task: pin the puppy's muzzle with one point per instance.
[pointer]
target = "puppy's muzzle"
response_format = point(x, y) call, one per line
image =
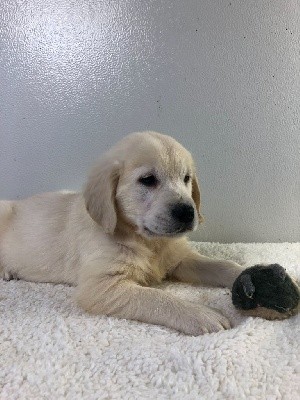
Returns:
point(183, 214)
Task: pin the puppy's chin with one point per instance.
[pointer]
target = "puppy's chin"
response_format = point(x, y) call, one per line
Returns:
point(150, 234)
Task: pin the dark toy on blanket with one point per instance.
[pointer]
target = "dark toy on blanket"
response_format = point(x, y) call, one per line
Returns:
point(266, 288)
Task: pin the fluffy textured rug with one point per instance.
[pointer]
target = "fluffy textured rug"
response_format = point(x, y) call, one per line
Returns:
point(49, 349)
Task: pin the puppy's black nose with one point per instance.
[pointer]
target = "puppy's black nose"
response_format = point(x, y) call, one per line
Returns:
point(183, 212)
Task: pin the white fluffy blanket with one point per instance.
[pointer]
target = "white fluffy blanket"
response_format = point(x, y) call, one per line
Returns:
point(49, 349)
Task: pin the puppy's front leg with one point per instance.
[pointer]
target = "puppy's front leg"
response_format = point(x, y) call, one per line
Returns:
point(198, 269)
point(115, 295)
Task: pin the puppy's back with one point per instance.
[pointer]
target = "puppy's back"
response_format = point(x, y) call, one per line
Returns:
point(35, 244)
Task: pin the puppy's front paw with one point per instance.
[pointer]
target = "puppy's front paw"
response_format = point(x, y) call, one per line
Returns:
point(267, 292)
point(202, 319)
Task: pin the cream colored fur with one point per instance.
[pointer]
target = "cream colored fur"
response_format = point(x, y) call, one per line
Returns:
point(117, 238)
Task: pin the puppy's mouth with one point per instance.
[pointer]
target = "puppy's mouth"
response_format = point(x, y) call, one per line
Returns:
point(176, 232)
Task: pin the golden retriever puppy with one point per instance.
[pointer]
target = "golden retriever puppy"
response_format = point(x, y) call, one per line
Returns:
point(124, 233)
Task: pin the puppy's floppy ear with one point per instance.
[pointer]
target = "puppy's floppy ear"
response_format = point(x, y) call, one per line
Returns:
point(196, 196)
point(99, 194)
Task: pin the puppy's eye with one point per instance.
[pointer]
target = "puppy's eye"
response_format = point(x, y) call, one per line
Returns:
point(149, 180)
point(187, 178)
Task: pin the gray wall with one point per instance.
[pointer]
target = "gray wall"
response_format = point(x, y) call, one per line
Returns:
point(220, 76)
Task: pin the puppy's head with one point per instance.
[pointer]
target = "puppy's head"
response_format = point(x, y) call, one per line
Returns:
point(149, 179)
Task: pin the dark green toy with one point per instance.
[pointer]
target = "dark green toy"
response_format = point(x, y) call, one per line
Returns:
point(267, 291)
